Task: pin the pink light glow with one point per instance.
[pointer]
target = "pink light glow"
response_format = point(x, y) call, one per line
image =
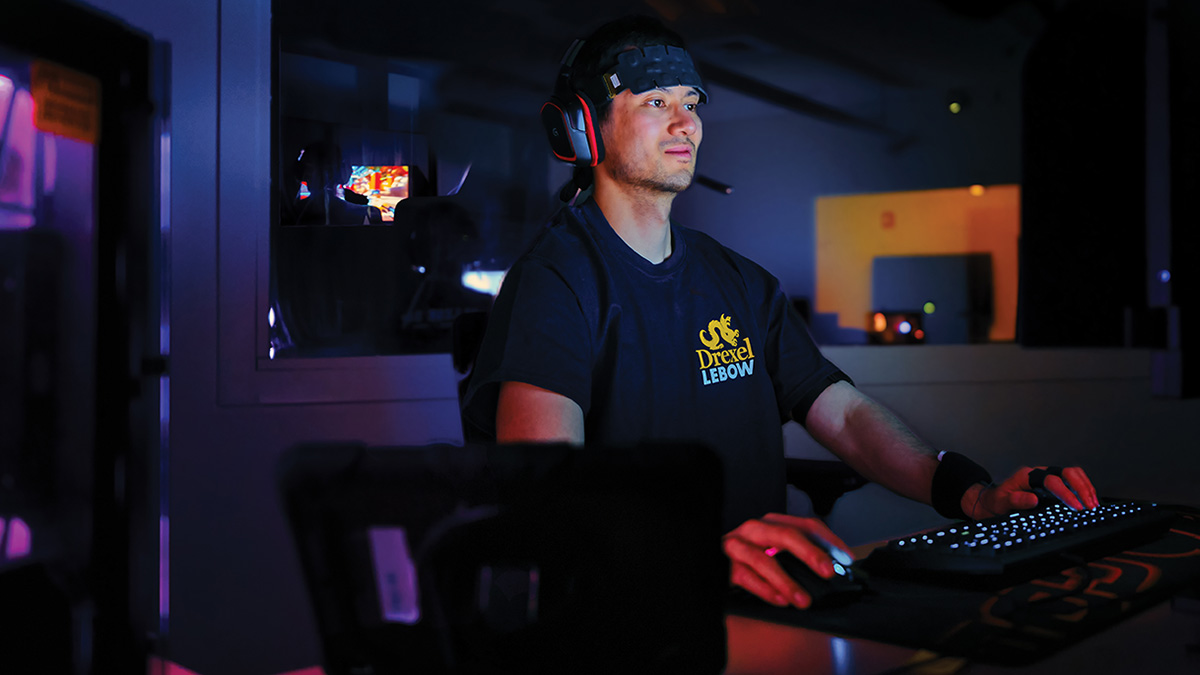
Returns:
point(17, 174)
point(6, 91)
point(20, 539)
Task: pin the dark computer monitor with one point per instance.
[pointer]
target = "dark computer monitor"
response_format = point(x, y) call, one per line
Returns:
point(950, 294)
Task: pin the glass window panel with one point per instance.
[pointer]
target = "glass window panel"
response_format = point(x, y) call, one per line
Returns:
point(403, 188)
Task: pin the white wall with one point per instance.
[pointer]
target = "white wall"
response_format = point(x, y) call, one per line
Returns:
point(1006, 407)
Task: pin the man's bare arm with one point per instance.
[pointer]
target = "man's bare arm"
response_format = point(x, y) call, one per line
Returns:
point(878, 445)
point(526, 413)
point(872, 440)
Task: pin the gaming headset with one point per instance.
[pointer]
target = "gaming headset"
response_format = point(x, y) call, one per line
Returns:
point(570, 115)
point(570, 118)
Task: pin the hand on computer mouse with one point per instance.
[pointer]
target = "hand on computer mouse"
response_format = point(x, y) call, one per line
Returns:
point(837, 590)
point(751, 548)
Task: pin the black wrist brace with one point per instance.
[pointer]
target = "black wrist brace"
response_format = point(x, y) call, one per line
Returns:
point(955, 474)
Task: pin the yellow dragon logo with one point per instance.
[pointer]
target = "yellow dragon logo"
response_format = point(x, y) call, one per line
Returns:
point(717, 330)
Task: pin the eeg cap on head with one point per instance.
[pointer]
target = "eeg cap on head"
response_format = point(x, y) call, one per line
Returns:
point(571, 115)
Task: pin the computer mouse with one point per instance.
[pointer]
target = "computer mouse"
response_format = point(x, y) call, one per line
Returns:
point(1047, 498)
point(839, 590)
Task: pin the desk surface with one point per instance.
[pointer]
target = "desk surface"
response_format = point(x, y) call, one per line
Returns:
point(1162, 640)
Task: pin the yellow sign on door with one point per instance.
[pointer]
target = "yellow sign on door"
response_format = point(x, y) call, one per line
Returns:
point(65, 102)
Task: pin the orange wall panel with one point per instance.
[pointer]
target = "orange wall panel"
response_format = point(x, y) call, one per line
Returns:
point(852, 230)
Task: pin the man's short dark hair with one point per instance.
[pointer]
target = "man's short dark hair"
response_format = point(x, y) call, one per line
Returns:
point(600, 49)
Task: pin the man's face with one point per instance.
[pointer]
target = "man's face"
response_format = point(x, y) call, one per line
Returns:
point(651, 139)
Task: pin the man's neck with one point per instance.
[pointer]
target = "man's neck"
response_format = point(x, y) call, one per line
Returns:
point(641, 218)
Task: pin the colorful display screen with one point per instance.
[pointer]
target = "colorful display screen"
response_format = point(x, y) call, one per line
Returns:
point(383, 186)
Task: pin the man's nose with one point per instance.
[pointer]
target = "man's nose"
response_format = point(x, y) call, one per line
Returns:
point(683, 122)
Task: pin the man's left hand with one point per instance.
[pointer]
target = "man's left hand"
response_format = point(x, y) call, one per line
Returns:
point(1071, 486)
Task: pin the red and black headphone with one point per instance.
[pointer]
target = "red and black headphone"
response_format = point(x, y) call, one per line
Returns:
point(571, 119)
point(570, 116)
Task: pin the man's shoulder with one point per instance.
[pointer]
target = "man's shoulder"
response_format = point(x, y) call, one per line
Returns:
point(702, 242)
point(565, 248)
point(706, 246)
point(564, 239)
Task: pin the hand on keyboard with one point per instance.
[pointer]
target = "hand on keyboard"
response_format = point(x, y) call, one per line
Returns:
point(1072, 487)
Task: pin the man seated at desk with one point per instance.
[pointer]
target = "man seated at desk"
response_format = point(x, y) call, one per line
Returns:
point(619, 326)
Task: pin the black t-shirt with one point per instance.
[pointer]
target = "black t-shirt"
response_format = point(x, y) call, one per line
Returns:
point(701, 347)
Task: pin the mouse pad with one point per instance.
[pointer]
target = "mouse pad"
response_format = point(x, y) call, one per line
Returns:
point(1016, 625)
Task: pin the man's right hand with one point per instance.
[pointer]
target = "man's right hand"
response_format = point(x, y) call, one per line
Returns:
point(754, 569)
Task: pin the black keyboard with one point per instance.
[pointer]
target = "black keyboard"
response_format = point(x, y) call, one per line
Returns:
point(1021, 545)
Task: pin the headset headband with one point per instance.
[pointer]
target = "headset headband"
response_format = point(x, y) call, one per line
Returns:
point(642, 69)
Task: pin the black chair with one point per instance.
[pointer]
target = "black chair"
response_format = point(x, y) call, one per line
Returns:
point(531, 559)
point(466, 335)
point(824, 481)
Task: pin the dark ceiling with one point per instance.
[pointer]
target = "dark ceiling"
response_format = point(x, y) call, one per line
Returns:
point(815, 57)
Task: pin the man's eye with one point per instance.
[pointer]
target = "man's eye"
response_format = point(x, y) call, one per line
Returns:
point(692, 107)
point(656, 102)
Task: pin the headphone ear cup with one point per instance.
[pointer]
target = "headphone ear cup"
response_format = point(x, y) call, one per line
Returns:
point(570, 123)
point(591, 118)
point(556, 115)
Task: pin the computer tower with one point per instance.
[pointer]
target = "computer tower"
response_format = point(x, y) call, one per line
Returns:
point(1111, 148)
point(1082, 251)
point(31, 272)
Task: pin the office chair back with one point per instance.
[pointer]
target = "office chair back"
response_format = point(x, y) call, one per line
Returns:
point(521, 559)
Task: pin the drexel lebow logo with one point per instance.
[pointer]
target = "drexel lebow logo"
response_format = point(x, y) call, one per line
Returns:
point(719, 363)
point(711, 337)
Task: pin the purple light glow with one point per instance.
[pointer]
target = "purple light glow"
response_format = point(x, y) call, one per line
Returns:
point(6, 91)
point(18, 178)
point(164, 577)
point(20, 540)
point(395, 575)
